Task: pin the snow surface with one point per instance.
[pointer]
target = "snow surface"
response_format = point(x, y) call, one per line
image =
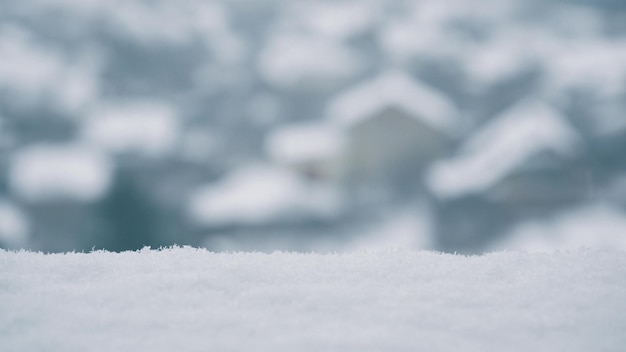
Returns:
point(523, 131)
point(186, 299)
point(394, 89)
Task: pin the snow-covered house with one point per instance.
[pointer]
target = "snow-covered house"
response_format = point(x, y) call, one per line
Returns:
point(303, 61)
point(522, 163)
point(260, 196)
point(394, 127)
point(314, 150)
point(59, 186)
point(148, 129)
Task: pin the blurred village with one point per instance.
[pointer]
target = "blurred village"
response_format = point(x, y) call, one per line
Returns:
point(313, 125)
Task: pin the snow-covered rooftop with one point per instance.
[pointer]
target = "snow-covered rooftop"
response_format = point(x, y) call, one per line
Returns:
point(495, 61)
point(337, 20)
point(525, 130)
point(290, 60)
point(595, 226)
point(305, 142)
point(399, 90)
point(33, 72)
point(146, 128)
point(600, 65)
point(185, 299)
point(258, 195)
point(60, 172)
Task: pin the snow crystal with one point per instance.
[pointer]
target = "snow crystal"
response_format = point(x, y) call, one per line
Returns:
point(143, 128)
point(65, 171)
point(259, 194)
point(504, 144)
point(185, 299)
point(394, 89)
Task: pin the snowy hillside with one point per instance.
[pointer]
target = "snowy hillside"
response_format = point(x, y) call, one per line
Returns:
point(193, 300)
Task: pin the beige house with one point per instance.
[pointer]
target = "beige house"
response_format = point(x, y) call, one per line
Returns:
point(313, 150)
point(394, 126)
point(379, 135)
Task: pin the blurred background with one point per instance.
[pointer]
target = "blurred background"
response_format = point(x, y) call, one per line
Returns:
point(337, 125)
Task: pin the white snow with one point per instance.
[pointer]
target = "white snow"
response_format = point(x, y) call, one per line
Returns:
point(595, 226)
point(14, 225)
point(394, 89)
point(60, 172)
point(185, 299)
point(305, 142)
point(523, 131)
point(290, 60)
point(259, 194)
point(147, 128)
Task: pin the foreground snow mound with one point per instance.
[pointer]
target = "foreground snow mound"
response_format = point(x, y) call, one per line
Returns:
point(186, 299)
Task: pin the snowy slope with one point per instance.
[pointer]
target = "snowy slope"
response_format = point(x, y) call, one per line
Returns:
point(185, 299)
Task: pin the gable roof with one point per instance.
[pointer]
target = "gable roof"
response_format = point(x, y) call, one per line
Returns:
point(394, 89)
point(503, 146)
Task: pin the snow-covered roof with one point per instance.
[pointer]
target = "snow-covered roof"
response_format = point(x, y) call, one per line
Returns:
point(304, 142)
point(337, 20)
point(258, 195)
point(595, 64)
point(146, 128)
point(394, 89)
point(520, 133)
point(596, 226)
point(289, 60)
point(34, 72)
point(65, 172)
point(494, 61)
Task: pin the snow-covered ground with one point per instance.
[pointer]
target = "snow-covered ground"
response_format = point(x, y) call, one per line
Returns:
point(186, 299)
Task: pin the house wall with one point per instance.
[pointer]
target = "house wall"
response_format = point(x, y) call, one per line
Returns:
point(391, 148)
